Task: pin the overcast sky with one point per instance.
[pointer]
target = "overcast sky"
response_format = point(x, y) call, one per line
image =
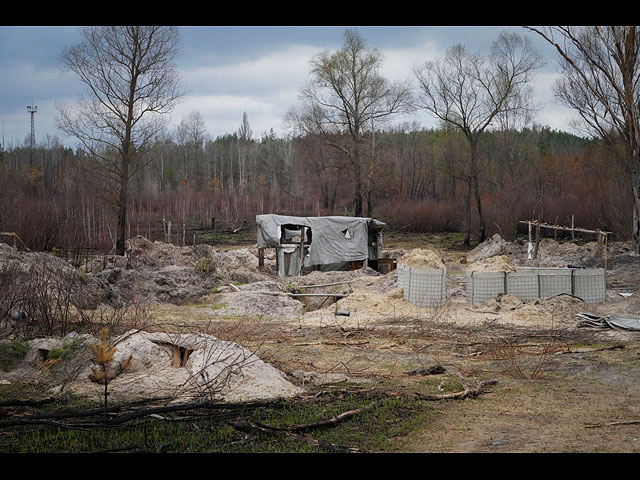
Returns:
point(228, 70)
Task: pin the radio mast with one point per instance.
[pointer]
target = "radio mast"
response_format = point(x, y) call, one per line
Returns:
point(32, 109)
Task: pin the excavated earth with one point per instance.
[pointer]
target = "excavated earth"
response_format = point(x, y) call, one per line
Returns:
point(560, 388)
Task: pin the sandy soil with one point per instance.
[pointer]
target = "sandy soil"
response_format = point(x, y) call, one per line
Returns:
point(560, 388)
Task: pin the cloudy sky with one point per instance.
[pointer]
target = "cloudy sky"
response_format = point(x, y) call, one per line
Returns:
point(228, 70)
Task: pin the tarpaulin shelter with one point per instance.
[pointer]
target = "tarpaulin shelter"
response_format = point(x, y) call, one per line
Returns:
point(320, 243)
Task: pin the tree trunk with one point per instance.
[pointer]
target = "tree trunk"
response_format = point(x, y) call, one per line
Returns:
point(635, 181)
point(122, 210)
point(467, 237)
point(483, 227)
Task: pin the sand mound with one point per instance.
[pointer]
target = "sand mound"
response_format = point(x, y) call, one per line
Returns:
point(268, 304)
point(215, 369)
point(489, 248)
point(499, 263)
point(422, 258)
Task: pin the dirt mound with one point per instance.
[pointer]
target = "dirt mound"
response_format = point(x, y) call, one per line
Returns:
point(501, 303)
point(422, 258)
point(29, 272)
point(171, 284)
point(157, 272)
point(258, 303)
point(215, 369)
point(499, 263)
point(491, 247)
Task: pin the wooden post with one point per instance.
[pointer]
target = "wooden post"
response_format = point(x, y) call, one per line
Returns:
point(535, 250)
point(573, 233)
point(261, 259)
point(599, 251)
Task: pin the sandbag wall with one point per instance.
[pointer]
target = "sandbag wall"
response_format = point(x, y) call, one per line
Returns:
point(422, 287)
point(529, 284)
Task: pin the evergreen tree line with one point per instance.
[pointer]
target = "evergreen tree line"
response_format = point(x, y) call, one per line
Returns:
point(413, 179)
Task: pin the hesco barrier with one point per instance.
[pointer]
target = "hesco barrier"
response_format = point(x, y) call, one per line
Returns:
point(529, 284)
point(423, 288)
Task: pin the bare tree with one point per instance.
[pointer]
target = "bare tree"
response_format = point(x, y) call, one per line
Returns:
point(601, 75)
point(191, 135)
point(130, 82)
point(470, 92)
point(347, 98)
point(244, 136)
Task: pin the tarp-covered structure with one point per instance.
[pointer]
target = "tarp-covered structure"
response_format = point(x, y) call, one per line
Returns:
point(319, 243)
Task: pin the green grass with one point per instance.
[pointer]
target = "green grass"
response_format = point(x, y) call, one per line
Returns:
point(379, 429)
point(445, 240)
point(11, 351)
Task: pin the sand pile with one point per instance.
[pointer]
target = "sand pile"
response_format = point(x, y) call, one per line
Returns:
point(268, 304)
point(215, 369)
point(368, 303)
point(422, 258)
point(489, 248)
point(499, 263)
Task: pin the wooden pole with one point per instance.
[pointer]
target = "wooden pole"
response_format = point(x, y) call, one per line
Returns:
point(535, 250)
point(573, 233)
point(261, 259)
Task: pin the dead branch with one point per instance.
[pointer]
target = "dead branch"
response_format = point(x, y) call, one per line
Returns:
point(613, 424)
point(602, 349)
point(468, 392)
point(326, 423)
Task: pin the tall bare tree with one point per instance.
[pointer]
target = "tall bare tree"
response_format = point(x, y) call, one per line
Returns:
point(346, 99)
point(470, 92)
point(130, 81)
point(191, 135)
point(601, 81)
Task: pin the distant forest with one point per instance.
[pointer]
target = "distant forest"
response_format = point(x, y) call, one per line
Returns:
point(414, 179)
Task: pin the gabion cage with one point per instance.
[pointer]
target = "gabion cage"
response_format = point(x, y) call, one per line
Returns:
point(422, 287)
point(529, 284)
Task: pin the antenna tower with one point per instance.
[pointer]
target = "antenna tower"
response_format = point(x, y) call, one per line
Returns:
point(32, 109)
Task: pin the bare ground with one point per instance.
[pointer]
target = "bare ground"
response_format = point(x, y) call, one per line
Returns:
point(560, 388)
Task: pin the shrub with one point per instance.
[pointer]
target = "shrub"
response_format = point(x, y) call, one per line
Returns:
point(11, 351)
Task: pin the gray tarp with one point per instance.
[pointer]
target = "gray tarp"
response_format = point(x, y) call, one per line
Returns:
point(609, 321)
point(333, 239)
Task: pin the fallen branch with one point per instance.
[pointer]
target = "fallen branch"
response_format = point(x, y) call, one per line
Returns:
point(247, 427)
point(466, 393)
point(326, 423)
point(602, 349)
point(613, 424)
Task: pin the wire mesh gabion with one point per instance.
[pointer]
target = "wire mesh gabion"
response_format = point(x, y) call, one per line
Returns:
point(529, 284)
point(422, 287)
